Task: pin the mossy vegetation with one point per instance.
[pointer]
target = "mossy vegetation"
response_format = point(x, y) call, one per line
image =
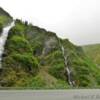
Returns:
point(1, 28)
point(37, 53)
point(93, 52)
point(33, 59)
point(5, 18)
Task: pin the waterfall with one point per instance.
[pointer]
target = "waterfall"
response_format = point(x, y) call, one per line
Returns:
point(3, 39)
point(67, 67)
point(69, 73)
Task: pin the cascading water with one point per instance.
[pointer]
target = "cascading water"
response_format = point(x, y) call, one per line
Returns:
point(3, 39)
point(67, 67)
point(69, 73)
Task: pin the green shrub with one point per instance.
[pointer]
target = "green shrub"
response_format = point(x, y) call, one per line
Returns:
point(98, 79)
point(61, 84)
point(19, 44)
point(57, 70)
point(27, 62)
point(1, 27)
point(5, 20)
point(37, 83)
point(19, 29)
point(84, 81)
point(54, 57)
point(16, 30)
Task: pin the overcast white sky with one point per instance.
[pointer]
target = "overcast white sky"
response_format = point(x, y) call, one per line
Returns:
point(78, 20)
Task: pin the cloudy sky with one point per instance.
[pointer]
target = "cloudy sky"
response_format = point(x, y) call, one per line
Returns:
point(78, 20)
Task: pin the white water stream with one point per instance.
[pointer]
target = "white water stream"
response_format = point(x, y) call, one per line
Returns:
point(3, 39)
point(70, 81)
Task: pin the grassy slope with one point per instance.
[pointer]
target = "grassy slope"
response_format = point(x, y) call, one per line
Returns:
point(93, 51)
point(33, 58)
point(23, 53)
point(5, 18)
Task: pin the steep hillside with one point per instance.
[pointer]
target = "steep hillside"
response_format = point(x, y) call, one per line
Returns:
point(38, 59)
point(5, 18)
point(93, 51)
point(33, 58)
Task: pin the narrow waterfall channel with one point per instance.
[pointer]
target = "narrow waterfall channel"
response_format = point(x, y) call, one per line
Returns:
point(67, 66)
point(3, 39)
point(69, 73)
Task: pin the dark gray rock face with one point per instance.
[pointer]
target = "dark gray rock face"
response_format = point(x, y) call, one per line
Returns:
point(49, 45)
